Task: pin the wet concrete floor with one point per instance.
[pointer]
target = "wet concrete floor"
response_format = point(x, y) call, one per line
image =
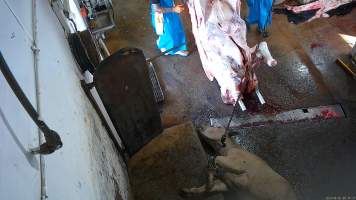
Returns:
point(318, 157)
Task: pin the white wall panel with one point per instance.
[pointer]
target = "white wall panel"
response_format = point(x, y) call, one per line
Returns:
point(18, 168)
point(87, 166)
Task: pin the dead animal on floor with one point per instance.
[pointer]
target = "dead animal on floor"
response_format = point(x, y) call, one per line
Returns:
point(236, 168)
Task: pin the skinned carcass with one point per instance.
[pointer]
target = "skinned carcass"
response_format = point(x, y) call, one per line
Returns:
point(220, 36)
point(323, 6)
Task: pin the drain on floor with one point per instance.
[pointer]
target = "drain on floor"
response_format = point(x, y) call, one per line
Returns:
point(304, 114)
point(157, 90)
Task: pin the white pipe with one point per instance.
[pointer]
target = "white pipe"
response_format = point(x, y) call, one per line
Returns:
point(103, 47)
point(57, 9)
point(36, 51)
point(66, 7)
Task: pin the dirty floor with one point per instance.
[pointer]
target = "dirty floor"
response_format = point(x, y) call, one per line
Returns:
point(318, 157)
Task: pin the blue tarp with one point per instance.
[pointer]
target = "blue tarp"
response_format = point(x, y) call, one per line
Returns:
point(173, 31)
point(260, 12)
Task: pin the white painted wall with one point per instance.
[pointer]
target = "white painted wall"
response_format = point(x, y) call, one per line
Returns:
point(87, 166)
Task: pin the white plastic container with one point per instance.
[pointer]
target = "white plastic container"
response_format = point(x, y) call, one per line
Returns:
point(159, 23)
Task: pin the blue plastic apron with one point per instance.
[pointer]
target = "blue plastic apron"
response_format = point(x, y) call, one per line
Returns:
point(173, 31)
point(260, 12)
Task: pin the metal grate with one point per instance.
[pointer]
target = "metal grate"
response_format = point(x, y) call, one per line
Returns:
point(157, 90)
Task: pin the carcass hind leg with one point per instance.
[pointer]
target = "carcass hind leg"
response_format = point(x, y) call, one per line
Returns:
point(264, 51)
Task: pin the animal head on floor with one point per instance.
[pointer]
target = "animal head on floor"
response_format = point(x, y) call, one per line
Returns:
point(212, 136)
point(237, 169)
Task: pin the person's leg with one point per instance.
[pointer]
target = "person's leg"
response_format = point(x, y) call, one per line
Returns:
point(165, 41)
point(178, 36)
point(160, 40)
point(252, 17)
point(265, 16)
point(173, 35)
point(172, 30)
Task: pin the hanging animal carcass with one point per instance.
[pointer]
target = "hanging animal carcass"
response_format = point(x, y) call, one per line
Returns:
point(220, 36)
